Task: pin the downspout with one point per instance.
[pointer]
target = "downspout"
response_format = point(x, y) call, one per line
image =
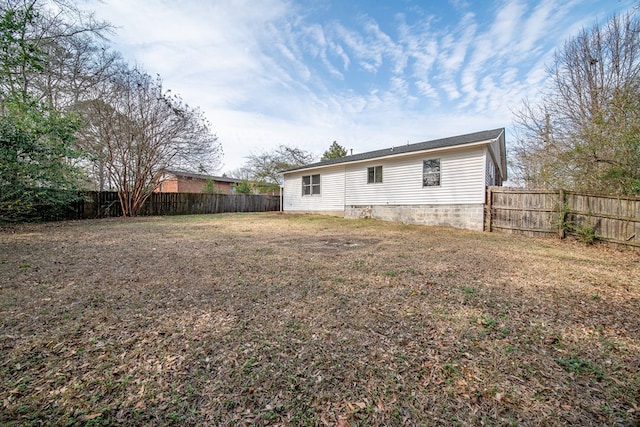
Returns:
point(344, 197)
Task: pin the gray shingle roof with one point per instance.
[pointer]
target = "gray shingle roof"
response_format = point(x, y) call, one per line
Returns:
point(409, 148)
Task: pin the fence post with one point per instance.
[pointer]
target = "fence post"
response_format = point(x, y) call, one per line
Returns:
point(487, 214)
point(562, 215)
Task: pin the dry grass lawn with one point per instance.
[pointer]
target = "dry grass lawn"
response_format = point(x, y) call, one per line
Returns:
point(267, 319)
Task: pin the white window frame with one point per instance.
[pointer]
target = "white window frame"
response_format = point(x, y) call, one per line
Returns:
point(376, 172)
point(311, 187)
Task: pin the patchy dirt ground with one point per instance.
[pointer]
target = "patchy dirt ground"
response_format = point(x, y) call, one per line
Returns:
point(265, 319)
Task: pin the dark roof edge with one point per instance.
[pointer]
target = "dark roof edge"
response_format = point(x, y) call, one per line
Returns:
point(450, 142)
point(201, 176)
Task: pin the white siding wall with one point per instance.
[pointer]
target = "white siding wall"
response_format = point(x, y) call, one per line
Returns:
point(462, 179)
point(489, 169)
point(496, 148)
point(331, 196)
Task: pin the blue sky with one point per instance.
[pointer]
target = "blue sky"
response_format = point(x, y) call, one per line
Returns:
point(369, 74)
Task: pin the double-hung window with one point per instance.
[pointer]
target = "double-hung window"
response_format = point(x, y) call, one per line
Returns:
point(310, 185)
point(431, 173)
point(374, 174)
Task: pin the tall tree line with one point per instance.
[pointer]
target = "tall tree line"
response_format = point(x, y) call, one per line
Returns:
point(74, 114)
point(584, 133)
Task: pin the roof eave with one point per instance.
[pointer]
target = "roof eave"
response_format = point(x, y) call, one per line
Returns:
point(391, 156)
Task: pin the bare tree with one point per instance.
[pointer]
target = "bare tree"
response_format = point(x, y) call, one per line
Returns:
point(267, 166)
point(241, 172)
point(137, 131)
point(52, 50)
point(82, 63)
point(38, 164)
point(585, 132)
point(539, 158)
point(55, 54)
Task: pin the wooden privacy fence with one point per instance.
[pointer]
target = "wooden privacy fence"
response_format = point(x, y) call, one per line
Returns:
point(547, 212)
point(105, 204)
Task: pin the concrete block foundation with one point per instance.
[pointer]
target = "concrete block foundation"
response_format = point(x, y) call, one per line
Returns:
point(468, 216)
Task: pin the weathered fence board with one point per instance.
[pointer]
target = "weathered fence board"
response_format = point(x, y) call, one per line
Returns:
point(542, 213)
point(105, 204)
point(615, 219)
point(531, 213)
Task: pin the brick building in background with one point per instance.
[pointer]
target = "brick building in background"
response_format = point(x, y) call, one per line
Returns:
point(189, 182)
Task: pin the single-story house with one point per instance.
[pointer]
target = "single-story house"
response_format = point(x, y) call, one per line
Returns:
point(439, 182)
point(188, 182)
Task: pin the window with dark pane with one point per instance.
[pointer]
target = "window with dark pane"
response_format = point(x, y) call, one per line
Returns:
point(310, 184)
point(431, 173)
point(306, 185)
point(374, 174)
point(315, 184)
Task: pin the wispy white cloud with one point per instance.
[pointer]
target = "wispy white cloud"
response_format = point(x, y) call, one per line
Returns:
point(367, 56)
point(385, 47)
point(537, 25)
point(455, 43)
point(335, 49)
point(506, 24)
point(271, 72)
point(421, 49)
